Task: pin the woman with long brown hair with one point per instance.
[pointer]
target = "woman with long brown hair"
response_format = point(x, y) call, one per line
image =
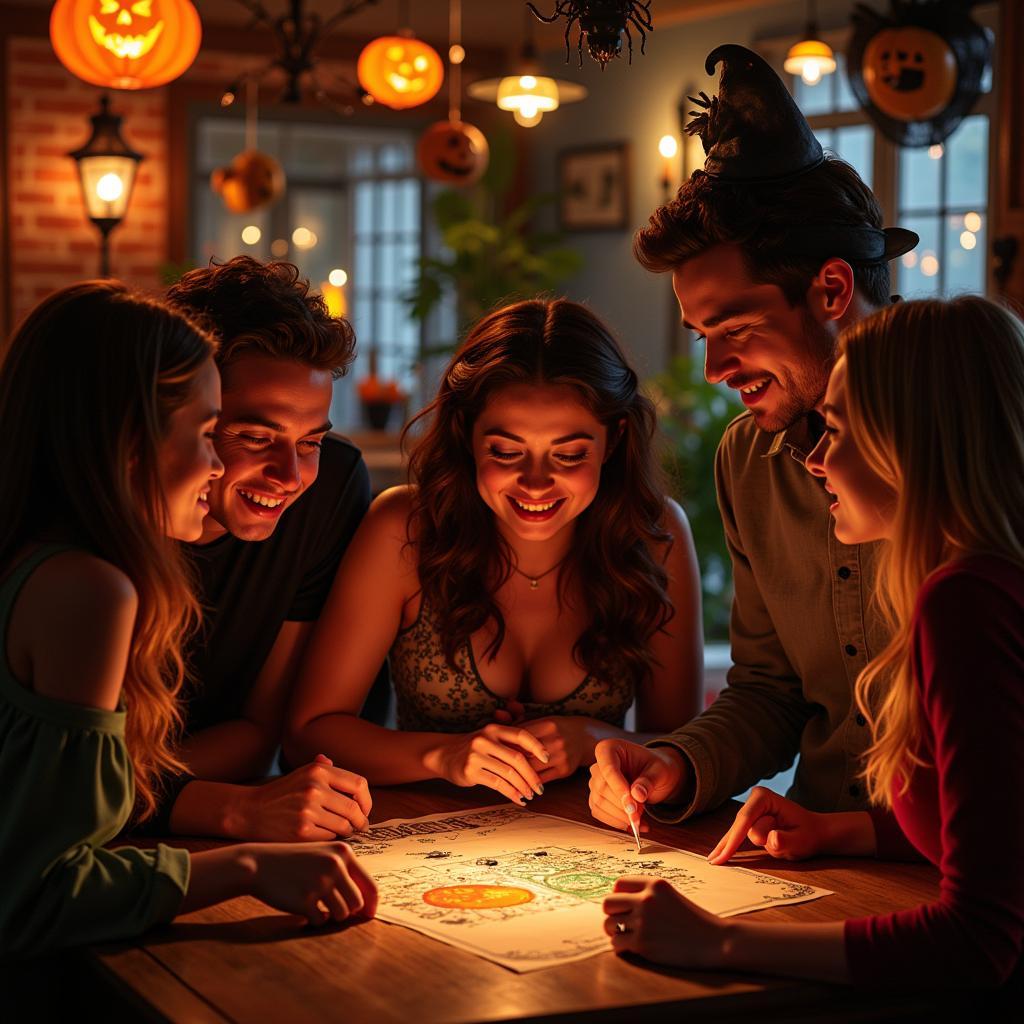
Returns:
point(530, 584)
point(924, 448)
point(107, 405)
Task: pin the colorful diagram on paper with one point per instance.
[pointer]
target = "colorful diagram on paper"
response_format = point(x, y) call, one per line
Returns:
point(525, 889)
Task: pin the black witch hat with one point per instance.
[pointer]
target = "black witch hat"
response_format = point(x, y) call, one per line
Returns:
point(754, 133)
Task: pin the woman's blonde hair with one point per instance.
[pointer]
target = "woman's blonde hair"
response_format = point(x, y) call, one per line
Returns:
point(935, 403)
point(88, 384)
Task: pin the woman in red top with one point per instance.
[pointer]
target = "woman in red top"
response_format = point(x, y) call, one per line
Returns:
point(923, 447)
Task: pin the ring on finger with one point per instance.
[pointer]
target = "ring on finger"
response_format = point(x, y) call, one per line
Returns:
point(621, 928)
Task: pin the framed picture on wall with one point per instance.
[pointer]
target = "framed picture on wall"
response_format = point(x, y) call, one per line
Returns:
point(594, 188)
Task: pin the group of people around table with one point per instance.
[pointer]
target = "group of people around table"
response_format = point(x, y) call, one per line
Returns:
point(176, 607)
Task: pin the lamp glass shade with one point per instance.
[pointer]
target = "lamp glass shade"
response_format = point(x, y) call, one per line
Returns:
point(525, 121)
point(134, 44)
point(106, 168)
point(810, 58)
point(400, 71)
point(107, 183)
point(528, 94)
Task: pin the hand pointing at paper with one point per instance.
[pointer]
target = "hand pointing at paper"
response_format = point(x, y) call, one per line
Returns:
point(626, 773)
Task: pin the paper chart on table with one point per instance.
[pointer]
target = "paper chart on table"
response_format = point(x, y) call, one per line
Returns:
point(525, 889)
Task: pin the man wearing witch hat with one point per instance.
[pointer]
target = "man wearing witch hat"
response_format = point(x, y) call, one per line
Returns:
point(774, 248)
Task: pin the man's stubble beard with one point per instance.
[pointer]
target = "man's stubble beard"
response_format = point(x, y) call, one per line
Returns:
point(804, 389)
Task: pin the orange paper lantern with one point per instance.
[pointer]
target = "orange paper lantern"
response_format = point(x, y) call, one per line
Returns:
point(125, 44)
point(251, 180)
point(454, 152)
point(400, 71)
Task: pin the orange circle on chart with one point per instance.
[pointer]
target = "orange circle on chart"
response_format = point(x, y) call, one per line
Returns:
point(477, 897)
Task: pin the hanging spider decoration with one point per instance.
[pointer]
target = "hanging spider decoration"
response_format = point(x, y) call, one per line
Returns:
point(603, 22)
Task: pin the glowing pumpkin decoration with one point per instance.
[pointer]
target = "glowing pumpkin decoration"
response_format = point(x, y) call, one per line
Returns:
point(454, 152)
point(125, 44)
point(251, 180)
point(400, 71)
point(910, 73)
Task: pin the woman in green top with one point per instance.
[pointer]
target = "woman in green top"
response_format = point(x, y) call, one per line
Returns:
point(107, 404)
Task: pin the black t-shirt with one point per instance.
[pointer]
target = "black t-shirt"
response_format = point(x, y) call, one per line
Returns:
point(249, 588)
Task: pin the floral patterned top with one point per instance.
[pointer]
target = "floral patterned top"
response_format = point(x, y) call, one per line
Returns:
point(433, 698)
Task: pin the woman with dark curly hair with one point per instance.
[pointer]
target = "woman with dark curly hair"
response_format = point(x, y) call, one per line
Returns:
point(529, 585)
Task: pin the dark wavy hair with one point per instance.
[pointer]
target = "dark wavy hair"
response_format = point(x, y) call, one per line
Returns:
point(759, 217)
point(462, 557)
point(265, 307)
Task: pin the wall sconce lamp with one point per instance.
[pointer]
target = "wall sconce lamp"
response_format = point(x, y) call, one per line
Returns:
point(810, 58)
point(668, 147)
point(106, 171)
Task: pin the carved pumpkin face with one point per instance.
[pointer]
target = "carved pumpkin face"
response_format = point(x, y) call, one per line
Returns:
point(400, 71)
point(125, 29)
point(910, 73)
point(125, 44)
point(454, 152)
point(251, 180)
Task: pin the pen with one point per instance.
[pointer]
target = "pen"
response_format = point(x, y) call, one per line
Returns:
point(634, 819)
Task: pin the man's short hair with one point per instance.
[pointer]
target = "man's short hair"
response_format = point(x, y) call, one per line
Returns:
point(758, 217)
point(267, 308)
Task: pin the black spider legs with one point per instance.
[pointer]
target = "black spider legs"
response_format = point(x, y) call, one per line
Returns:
point(643, 35)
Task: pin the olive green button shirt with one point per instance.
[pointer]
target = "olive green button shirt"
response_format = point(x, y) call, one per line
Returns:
point(802, 629)
point(67, 786)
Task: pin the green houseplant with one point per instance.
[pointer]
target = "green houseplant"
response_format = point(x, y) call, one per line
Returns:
point(693, 414)
point(491, 255)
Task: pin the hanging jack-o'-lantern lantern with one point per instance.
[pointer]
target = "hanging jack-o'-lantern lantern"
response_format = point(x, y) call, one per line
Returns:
point(251, 180)
point(917, 71)
point(125, 44)
point(454, 152)
point(910, 73)
point(400, 71)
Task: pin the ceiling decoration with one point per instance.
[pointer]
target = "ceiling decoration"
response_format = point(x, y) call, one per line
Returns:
point(298, 34)
point(125, 45)
point(603, 23)
point(917, 70)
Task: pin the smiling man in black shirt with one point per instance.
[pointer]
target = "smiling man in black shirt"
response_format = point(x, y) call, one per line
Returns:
point(280, 519)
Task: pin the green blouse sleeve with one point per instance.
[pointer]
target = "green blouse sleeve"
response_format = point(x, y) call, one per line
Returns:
point(67, 787)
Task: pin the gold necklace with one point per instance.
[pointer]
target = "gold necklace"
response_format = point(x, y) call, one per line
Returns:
point(535, 580)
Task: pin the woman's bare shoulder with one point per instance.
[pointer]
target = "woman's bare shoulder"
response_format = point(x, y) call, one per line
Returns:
point(78, 583)
point(91, 606)
point(673, 521)
point(392, 505)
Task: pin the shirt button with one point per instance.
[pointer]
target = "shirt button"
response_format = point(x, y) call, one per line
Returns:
point(855, 790)
point(861, 720)
point(843, 572)
point(850, 650)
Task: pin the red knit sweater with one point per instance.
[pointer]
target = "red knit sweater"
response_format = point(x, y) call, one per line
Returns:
point(964, 811)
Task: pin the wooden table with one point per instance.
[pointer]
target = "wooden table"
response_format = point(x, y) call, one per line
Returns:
point(241, 961)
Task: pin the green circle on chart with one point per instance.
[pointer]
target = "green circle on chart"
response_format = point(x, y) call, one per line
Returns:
point(586, 884)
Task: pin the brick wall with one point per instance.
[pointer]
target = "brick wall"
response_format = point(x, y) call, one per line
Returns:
point(52, 241)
